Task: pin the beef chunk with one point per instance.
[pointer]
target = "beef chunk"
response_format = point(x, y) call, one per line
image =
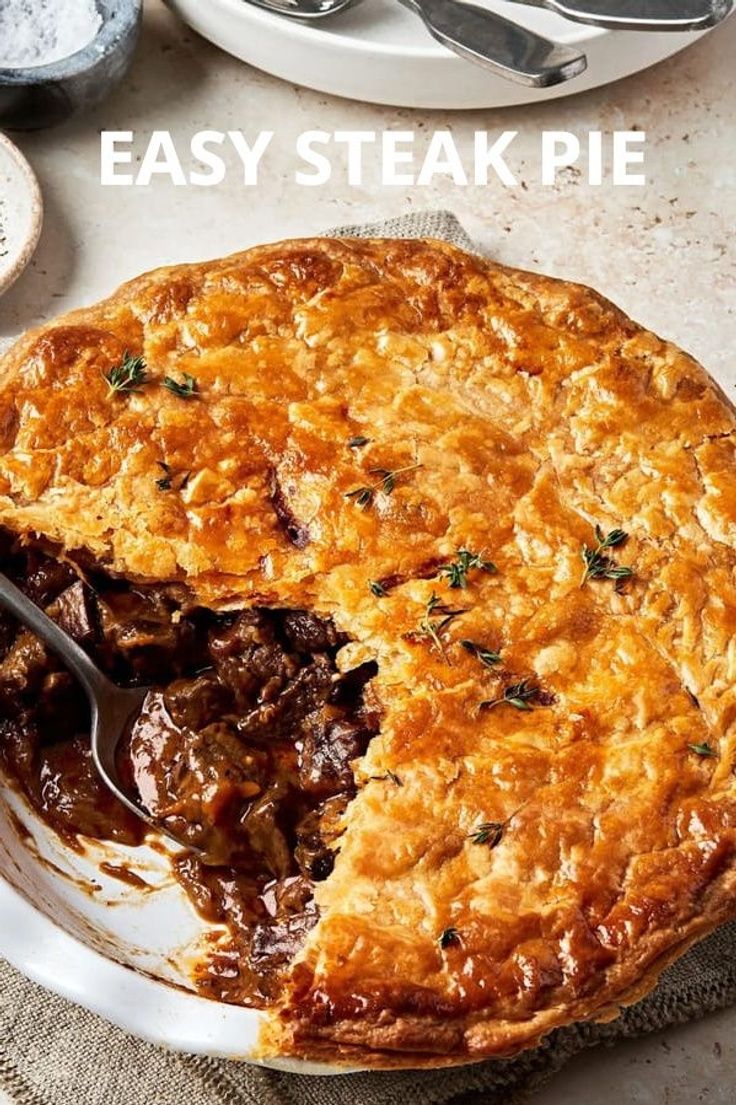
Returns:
point(262, 826)
point(317, 834)
point(274, 944)
point(329, 747)
point(284, 708)
point(250, 661)
point(45, 578)
point(307, 632)
point(194, 703)
point(221, 894)
point(75, 800)
point(145, 638)
point(75, 612)
point(23, 670)
point(196, 783)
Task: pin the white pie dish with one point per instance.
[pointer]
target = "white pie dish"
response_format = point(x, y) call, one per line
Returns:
point(82, 945)
point(379, 52)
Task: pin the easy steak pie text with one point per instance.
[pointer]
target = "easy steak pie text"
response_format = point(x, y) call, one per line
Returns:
point(431, 565)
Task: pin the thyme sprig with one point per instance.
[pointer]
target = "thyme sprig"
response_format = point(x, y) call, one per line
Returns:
point(187, 388)
point(438, 615)
point(489, 832)
point(520, 695)
point(703, 749)
point(128, 375)
point(386, 482)
point(456, 572)
point(487, 656)
point(598, 565)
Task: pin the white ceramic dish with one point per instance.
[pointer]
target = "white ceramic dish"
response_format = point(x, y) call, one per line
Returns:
point(379, 52)
point(78, 933)
point(21, 212)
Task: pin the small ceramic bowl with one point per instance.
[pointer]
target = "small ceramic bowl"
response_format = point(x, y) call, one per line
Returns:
point(47, 94)
point(21, 213)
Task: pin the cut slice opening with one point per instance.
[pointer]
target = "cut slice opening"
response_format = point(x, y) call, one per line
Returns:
point(243, 750)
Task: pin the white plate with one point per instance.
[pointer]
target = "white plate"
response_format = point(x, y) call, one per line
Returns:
point(78, 933)
point(21, 212)
point(380, 52)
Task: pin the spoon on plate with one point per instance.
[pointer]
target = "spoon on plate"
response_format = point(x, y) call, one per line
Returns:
point(113, 708)
point(475, 33)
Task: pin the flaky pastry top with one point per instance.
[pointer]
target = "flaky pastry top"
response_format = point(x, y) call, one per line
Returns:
point(364, 411)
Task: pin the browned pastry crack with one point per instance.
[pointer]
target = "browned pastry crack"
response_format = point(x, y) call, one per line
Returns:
point(505, 416)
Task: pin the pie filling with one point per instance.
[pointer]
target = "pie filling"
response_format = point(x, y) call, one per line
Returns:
point(242, 751)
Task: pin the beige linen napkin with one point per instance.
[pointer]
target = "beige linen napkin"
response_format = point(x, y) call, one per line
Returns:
point(53, 1053)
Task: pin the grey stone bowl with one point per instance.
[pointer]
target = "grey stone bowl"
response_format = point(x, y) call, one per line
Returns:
point(47, 94)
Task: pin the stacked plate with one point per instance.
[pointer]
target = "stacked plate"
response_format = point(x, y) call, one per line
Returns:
point(379, 51)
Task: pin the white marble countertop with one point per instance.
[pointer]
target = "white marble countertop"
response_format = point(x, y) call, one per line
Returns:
point(664, 253)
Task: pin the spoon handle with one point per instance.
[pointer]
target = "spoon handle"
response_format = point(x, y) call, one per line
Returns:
point(25, 610)
point(490, 40)
point(640, 15)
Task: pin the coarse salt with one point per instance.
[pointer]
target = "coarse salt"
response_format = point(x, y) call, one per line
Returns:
point(39, 32)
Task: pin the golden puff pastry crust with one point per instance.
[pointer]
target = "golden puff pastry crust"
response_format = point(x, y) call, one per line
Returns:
point(502, 870)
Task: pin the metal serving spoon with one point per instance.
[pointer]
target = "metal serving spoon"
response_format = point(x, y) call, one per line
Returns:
point(113, 708)
point(640, 15)
point(476, 34)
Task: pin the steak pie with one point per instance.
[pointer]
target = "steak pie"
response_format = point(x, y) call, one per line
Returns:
point(430, 564)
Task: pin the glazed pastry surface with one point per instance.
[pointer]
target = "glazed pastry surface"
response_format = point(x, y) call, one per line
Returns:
point(547, 816)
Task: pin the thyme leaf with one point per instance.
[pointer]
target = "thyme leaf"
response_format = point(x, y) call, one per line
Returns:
point(388, 476)
point(520, 695)
point(598, 565)
point(457, 570)
point(128, 375)
point(390, 776)
point(703, 749)
point(187, 389)
point(358, 441)
point(489, 832)
point(486, 655)
point(376, 588)
point(164, 484)
point(386, 482)
point(363, 496)
point(436, 619)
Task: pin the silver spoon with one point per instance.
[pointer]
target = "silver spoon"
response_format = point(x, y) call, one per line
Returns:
point(476, 34)
point(640, 15)
point(113, 708)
